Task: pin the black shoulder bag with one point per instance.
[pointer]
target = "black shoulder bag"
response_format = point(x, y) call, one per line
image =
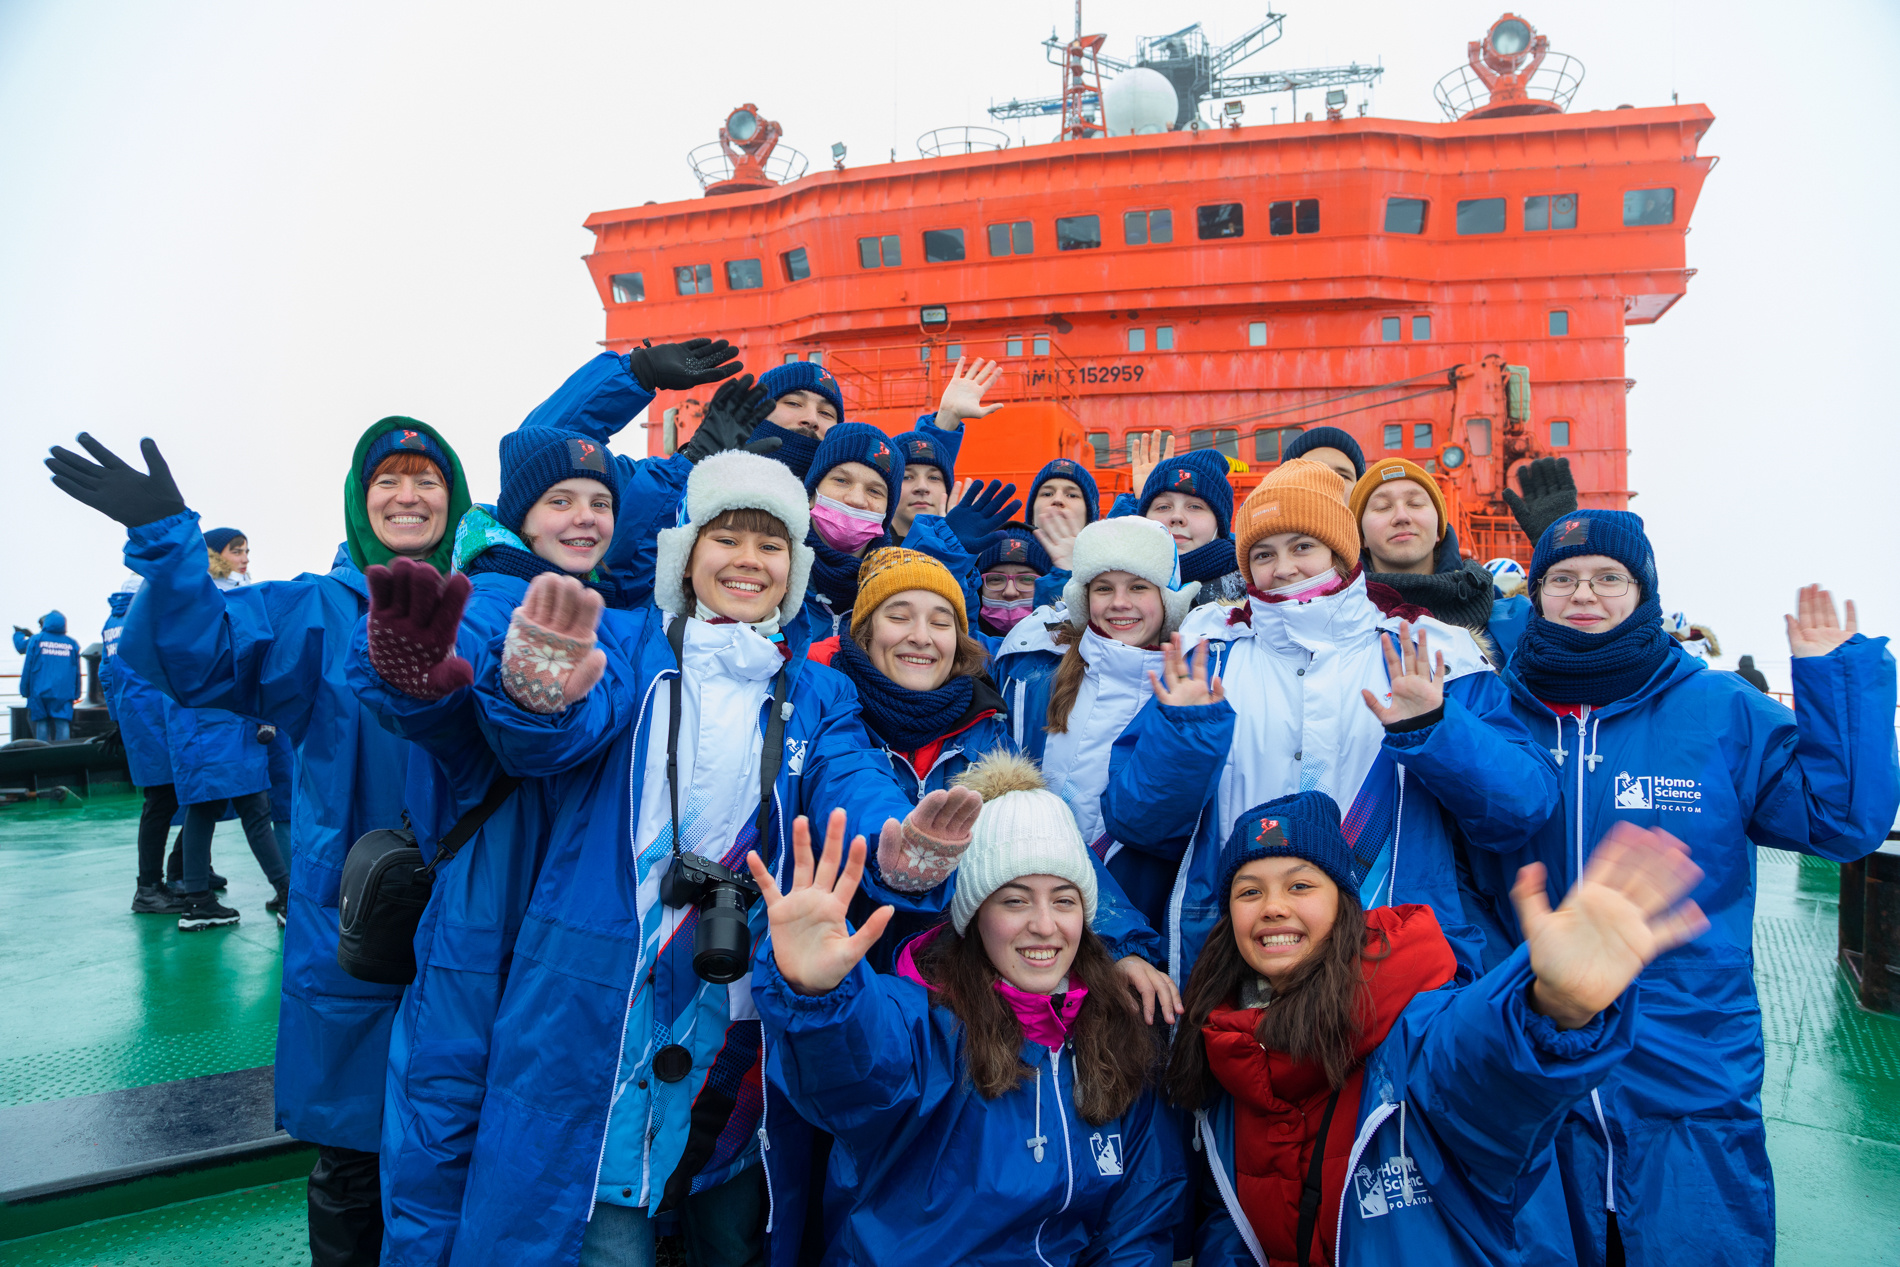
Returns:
point(1312, 1193)
point(386, 886)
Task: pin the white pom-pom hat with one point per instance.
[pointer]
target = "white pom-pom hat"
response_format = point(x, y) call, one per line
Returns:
point(734, 480)
point(1022, 829)
point(1130, 544)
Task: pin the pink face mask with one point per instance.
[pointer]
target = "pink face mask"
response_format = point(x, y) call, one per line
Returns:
point(1311, 587)
point(1006, 618)
point(845, 527)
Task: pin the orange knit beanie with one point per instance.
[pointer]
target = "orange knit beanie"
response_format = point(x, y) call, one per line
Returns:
point(1386, 469)
point(1299, 496)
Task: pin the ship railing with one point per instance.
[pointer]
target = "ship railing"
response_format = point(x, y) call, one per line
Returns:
point(910, 376)
point(1555, 81)
point(711, 163)
point(941, 142)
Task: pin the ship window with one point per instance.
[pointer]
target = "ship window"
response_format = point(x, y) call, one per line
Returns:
point(1394, 435)
point(1559, 434)
point(1012, 239)
point(1041, 345)
point(1142, 227)
point(1550, 211)
point(1306, 216)
point(1421, 435)
point(1220, 220)
point(1478, 434)
point(816, 358)
point(693, 279)
point(1164, 338)
point(867, 252)
point(744, 275)
point(925, 349)
point(1389, 330)
point(880, 252)
point(1137, 339)
point(943, 246)
point(1284, 218)
point(1223, 440)
point(1078, 233)
point(1256, 334)
point(1421, 327)
point(953, 352)
point(1649, 206)
point(1269, 441)
point(1279, 219)
point(1559, 322)
point(1481, 215)
point(1013, 348)
point(629, 288)
point(1098, 440)
point(791, 358)
point(797, 264)
point(1405, 215)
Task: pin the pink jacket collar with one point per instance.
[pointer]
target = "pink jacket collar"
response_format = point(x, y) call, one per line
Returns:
point(1042, 1021)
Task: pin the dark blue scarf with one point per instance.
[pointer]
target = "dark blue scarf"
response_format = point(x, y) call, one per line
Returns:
point(1209, 562)
point(527, 565)
point(835, 573)
point(1561, 665)
point(796, 449)
point(903, 718)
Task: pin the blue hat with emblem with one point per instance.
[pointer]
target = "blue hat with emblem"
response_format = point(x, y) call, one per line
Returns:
point(1201, 473)
point(1304, 825)
point(535, 459)
point(1016, 544)
point(862, 443)
point(406, 440)
point(1074, 471)
point(803, 376)
point(924, 448)
point(1614, 534)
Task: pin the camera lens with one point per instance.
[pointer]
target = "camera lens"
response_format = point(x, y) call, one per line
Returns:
point(722, 946)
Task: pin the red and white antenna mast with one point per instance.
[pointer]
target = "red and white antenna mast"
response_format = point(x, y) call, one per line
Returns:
point(1082, 80)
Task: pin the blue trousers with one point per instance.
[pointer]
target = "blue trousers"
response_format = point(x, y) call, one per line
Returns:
point(724, 1227)
point(53, 729)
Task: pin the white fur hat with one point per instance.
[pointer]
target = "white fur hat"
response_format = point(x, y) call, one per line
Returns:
point(1022, 829)
point(734, 480)
point(1128, 544)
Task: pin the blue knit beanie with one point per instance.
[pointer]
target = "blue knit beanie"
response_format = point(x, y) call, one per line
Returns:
point(803, 376)
point(404, 440)
point(1615, 534)
point(1304, 825)
point(535, 459)
point(218, 538)
point(859, 442)
point(922, 448)
point(1325, 438)
point(1017, 544)
point(1201, 473)
point(1067, 469)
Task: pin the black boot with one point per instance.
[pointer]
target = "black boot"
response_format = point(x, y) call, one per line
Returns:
point(280, 904)
point(157, 899)
point(204, 911)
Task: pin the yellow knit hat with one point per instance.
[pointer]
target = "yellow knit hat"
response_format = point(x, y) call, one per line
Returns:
point(1386, 469)
point(893, 570)
point(1299, 496)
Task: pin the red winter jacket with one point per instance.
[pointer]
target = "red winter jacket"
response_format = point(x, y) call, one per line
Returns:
point(1278, 1103)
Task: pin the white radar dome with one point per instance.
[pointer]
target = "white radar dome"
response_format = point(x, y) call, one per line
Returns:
point(1139, 102)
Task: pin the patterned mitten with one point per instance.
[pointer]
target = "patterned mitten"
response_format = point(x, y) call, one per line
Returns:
point(543, 671)
point(921, 852)
point(414, 612)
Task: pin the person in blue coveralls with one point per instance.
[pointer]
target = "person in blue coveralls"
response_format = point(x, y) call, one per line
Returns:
point(624, 1085)
point(992, 1101)
point(1361, 1102)
point(1665, 1160)
point(1311, 685)
point(139, 712)
point(1510, 605)
point(49, 678)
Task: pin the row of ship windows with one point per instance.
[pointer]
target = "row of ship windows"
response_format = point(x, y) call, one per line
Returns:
point(1541, 213)
point(1396, 437)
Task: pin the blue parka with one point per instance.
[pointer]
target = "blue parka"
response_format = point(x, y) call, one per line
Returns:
point(1705, 756)
point(214, 755)
point(49, 679)
point(275, 651)
point(1456, 1112)
point(585, 987)
point(134, 705)
point(925, 1169)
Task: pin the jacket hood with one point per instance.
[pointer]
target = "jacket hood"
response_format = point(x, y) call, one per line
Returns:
point(119, 602)
point(365, 547)
point(53, 622)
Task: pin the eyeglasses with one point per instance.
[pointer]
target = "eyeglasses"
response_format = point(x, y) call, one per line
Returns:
point(1606, 585)
point(997, 582)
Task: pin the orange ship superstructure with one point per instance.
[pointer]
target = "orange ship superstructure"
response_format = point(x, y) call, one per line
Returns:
point(1457, 292)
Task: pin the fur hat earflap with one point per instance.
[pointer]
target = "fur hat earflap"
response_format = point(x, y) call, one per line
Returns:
point(734, 480)
point(1128, 544)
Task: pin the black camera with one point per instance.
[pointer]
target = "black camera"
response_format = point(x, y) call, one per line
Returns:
point(722, 944)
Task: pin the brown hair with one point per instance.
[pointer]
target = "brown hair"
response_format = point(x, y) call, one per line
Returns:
point(1319, 1013)
point(406, 464)
point(1068, 680)
point(1116, 1053)
point(738, 519)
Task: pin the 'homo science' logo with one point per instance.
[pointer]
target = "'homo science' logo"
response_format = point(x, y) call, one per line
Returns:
point(1657, 792)
point(795, 755)
point(1108, 1153)
point(1393, 1186)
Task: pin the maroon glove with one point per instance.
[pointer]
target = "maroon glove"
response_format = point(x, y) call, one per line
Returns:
point(413, 614)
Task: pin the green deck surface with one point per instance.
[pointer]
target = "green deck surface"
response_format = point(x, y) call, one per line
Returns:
point(96, 999)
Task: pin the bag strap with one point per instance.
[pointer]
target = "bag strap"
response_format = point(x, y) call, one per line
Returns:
point(470, 823)
point(676, 639)
point(1311, 1193)
point(769, 758)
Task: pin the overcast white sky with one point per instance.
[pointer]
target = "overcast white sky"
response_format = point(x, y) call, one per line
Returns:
point(249, 230)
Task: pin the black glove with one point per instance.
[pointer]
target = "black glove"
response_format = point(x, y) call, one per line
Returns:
point(1549, 494)
point(736, 408)
point(267, 735)
point(22, 629)
point(677, 366)
point(977, 517)
point(114, 489)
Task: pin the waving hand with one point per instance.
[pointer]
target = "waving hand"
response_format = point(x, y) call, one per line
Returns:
point(811, 942)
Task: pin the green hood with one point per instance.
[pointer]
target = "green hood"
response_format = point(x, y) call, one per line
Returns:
point(366, 548)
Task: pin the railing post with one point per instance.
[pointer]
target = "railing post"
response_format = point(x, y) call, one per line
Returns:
point(1853, 906)
point(1880, 937)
